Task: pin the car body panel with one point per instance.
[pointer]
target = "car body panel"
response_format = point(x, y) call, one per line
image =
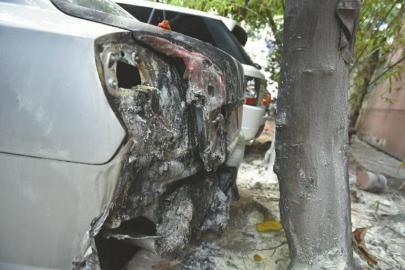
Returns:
point(253, 116)
point(48, 205)
point(253, 72)
point(47, 114)
point(252, 121)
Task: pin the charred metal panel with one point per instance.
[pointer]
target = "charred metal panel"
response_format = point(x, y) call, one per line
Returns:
point(182, 118)
point(205, 96)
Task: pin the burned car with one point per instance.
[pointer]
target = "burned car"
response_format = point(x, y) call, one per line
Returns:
point(224, 34)
point(116, 136)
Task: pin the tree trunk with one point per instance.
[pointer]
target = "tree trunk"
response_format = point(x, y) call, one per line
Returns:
point(312, 133)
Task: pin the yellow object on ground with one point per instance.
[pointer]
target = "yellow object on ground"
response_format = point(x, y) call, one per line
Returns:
point(269, 226)
point(257, 258)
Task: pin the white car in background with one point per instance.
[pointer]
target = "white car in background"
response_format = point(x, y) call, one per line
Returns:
point(221, 32)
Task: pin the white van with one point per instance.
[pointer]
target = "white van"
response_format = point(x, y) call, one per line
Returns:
point(217, 31)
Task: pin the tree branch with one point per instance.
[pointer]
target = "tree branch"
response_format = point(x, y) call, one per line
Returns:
point(368, 28)
point(385, 71)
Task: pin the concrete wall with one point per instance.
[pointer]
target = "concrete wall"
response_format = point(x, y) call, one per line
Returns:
point(382, 119)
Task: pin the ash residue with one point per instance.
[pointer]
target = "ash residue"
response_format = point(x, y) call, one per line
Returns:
point(193, 209)
point(207, 256)
point(174, 227)
point(213, 197)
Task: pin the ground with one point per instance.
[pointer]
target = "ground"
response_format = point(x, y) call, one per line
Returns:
point(243, 247)
point(383, 214)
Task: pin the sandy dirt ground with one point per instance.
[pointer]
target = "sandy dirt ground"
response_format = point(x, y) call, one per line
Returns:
point(243, 247)
point(382, 214)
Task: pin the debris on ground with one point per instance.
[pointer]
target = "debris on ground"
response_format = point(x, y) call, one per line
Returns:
point(382, 214)
point(371, 182)
point(360, 248)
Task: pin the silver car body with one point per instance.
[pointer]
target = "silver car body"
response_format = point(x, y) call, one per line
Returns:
point(62, 147)
point(45, 136)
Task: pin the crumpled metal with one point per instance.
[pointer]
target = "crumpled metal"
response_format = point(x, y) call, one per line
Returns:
point(347, 12)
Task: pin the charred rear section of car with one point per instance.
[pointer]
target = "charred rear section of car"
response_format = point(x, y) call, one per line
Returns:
point(186, 210)
point(181, 109)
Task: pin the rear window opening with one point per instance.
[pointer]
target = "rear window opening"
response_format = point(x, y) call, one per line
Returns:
point(127, 75)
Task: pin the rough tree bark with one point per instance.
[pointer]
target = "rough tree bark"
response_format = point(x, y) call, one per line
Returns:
point(312, 132)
